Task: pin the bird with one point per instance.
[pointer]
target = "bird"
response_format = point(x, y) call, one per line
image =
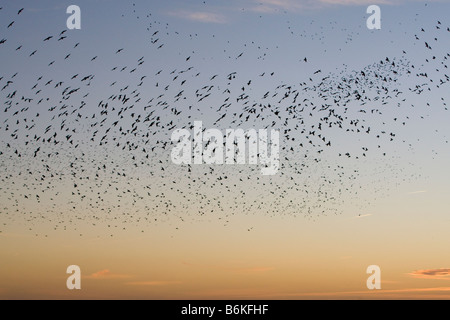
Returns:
point(90, 152)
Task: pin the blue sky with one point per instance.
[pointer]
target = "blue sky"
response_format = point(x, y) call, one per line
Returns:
point(204, 42)
point(98, 157)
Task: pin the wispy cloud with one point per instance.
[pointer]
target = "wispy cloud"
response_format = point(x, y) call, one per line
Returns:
point(231, 293)
point(233, 269)
point(363, 216)
point(441, 274)
point(153, 283)
point(357, 2)
point(253, 270)
point(200, 16)
point(274, 6)
point(225, 12)
point(407, 293)
point(417, 192)
point(106, 274)
point(15, 235)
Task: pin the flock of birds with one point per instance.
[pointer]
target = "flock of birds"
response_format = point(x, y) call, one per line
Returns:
point(75, 151)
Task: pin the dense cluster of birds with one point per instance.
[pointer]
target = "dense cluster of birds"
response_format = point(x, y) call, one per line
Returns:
point(76, 151)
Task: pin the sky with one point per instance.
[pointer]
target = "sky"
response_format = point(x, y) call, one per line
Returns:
point(86, 141)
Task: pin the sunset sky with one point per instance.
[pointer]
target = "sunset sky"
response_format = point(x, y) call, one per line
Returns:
point(140, 227)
